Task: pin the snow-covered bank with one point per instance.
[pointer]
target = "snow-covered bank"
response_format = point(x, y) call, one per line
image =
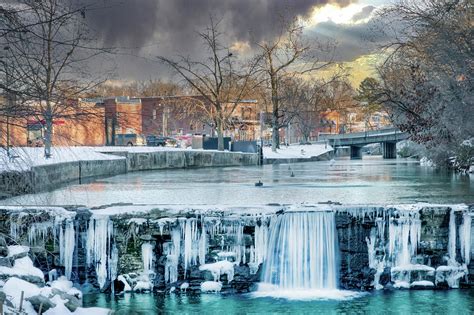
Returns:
point(29, 295)
point(24, 158)
point(297, 151)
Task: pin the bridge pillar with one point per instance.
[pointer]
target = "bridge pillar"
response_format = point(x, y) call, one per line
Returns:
point(356, 153)
point(389, 150)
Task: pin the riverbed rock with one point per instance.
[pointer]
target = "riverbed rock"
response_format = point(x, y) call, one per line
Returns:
point(41, 301)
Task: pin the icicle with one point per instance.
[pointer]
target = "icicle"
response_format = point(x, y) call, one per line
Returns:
point(465, 238)
point(203, 245)
point(67, 241)
point(99, 238)
point(147, 257)
point(173, 253)
point(191, 245)
point(261, 242)
point(452, 239)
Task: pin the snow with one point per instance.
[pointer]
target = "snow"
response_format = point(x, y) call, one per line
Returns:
point(143, 285)
point(422, 283)
point(426, 162)
point(401, 285)
point(296, 151)
point(63, 284)
point(219, 268)
point(13, 288)
point(184, 286)
point(17, 249)
point(211, 286)
point(22, 267)
point(412, 267)
point(28, 157)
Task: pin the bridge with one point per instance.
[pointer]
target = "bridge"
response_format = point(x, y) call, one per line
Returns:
point(388, 137)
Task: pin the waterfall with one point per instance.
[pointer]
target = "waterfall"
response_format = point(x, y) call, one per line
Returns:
point(302, 251)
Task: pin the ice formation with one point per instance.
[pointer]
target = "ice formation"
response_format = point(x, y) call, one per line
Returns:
point(99, 248)
point(220, 268)
point(67, 242)
point(211, 286)
point(147, 257)
point(400, 250)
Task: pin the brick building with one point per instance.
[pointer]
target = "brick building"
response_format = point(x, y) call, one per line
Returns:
point(175, 116)
point(80, 124)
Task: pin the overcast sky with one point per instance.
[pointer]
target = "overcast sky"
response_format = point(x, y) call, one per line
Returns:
point(168, 27)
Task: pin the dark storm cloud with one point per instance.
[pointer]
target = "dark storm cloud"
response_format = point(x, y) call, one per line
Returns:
point(363, 14)
point(173, 23)
point(353, 40)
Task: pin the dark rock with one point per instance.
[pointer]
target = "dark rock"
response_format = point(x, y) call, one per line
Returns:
point(41, 301)
point(119, 286)
point(3, 251)
point(5, 262)
point(385, 277)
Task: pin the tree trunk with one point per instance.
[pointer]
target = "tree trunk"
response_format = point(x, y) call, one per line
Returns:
point(48, 137)
point(275, 114)
point(220, 137)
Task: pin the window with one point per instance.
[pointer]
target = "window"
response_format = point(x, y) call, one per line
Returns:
point(154, 114)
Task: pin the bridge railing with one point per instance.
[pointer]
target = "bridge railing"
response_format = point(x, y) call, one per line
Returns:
point(363, 134)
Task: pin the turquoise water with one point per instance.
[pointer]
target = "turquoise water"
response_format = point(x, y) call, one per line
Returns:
point(394, 302)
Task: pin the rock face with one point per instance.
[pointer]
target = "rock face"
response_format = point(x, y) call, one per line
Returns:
point(415, 247)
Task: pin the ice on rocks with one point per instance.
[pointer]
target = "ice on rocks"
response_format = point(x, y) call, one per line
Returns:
point(17, 250)
point(23, 267)
point(220, 268)
point(211, 286)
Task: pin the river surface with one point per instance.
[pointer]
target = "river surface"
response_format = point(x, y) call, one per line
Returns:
point(371, 180)
point(456, 302)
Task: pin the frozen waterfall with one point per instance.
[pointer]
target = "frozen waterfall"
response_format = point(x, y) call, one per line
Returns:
point(302, 251)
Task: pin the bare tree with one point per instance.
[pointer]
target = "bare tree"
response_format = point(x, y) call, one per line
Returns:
point(219, 79)
point(426, 82)
point(288, 55)
point(49, 46)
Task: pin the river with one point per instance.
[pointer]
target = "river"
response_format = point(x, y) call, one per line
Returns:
point(368, 181)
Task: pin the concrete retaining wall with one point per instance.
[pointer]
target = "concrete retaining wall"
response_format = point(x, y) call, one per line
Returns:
point(145, 161)
point(48, 177)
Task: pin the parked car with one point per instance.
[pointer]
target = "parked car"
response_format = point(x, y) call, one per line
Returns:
point(129, 139)
point(160, 141)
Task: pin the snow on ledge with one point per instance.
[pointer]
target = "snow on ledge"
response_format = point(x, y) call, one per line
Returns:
point(27, 157)
point(297, 151)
